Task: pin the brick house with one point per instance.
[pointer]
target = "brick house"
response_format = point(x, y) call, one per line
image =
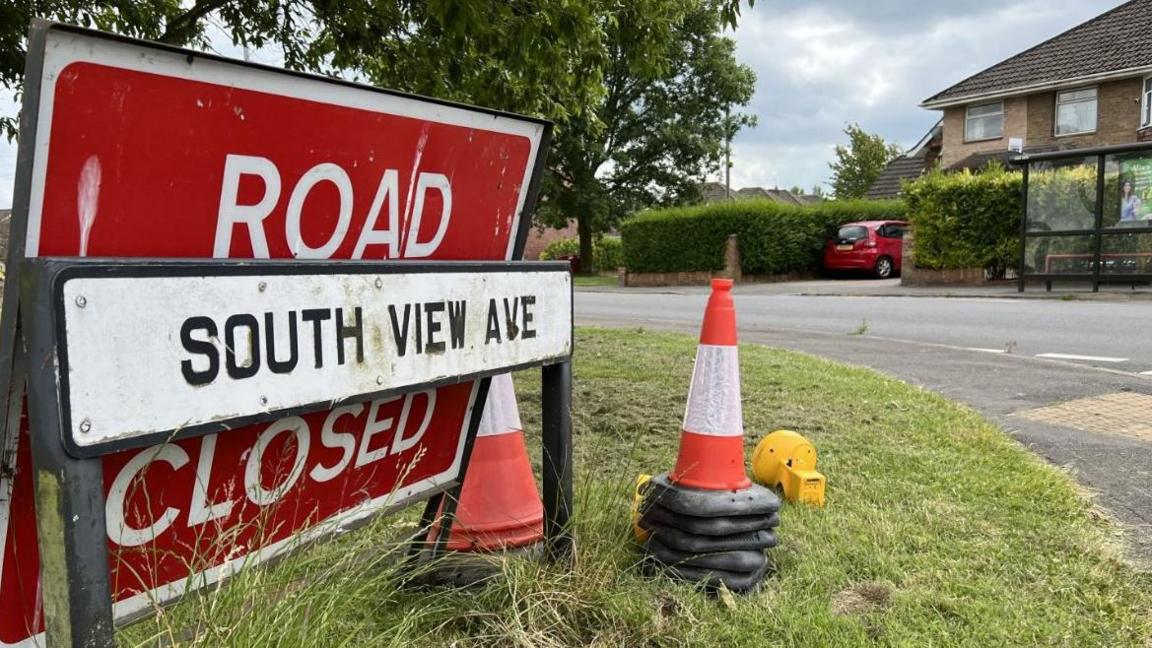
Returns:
point(1089, 86)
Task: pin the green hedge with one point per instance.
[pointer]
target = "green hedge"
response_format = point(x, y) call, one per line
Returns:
point(774, 238)
point(607, 251)
point(966, 220)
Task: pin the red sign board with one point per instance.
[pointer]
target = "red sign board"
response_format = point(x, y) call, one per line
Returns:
point(140, 151)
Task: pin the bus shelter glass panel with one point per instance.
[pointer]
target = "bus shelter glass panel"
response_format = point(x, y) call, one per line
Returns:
point(1128, 191)
point(1126, 254)
point(1060, 254)
point(1062, 195)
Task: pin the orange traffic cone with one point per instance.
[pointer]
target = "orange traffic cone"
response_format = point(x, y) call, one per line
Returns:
point(712, 436)
point(499, 506)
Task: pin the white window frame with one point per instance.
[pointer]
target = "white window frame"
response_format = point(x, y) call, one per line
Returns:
point(1056, 110)
point(1146, 103)
point(968, 118)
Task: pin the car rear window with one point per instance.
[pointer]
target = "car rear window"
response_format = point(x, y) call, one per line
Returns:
point(852, 233)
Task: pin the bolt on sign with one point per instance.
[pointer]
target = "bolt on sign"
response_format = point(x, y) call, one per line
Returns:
point(136, 150)
point(123, 354)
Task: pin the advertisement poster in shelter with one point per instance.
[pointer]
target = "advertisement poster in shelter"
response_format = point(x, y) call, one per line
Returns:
point(1135, 200)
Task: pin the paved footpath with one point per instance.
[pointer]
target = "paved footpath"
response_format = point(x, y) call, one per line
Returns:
point(1104, 436)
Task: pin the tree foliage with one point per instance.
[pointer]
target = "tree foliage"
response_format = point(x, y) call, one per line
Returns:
point(774, 238)
point(859, 164)
point(671, 79)
point(966, 220)
point(537, 58)
point(519, 56)
point(287, 24)
point(607, 252)
point(640, 90)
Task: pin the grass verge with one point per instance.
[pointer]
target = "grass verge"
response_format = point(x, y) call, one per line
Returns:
point(939, 530)
point(587, 280)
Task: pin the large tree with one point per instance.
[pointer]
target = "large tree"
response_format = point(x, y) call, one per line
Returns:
point(252, 23)
point(671, 79)
point(859, 164)
point(639, 89)
point(516, 55)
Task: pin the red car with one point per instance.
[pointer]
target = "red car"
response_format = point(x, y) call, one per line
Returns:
point(871, 246)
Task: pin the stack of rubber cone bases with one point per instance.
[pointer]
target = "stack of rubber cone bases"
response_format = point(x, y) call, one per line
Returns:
point(499, 506)
point(706, 521)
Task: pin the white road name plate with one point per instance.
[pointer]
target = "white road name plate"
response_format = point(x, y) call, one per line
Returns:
point(145, 355)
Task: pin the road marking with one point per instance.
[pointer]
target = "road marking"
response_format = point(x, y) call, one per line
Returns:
point(987, 350)
point(1069, 356)
point(1146, 373)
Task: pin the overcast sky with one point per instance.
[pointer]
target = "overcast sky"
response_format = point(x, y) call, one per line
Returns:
point(821, 64)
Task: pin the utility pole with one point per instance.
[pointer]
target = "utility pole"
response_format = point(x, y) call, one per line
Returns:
point(727, 153)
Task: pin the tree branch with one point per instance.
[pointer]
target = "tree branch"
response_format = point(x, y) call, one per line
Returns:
point(176, 31)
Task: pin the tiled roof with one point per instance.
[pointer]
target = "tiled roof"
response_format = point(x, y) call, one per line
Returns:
point(978, 161)
point(715, 192)
point(911, 165)
point(712, 192)
point(1120, 39)
point(751, 192)
point(783, 196)
point(887, 184)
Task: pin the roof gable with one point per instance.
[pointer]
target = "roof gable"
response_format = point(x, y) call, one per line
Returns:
point(1115, 41)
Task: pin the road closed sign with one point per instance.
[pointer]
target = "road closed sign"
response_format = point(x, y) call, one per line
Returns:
point(135, 150)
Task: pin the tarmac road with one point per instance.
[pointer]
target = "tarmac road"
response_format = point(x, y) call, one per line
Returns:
point(931, 342)
point(1116, 335)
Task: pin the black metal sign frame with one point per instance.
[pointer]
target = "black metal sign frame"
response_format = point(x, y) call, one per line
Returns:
point(70, 507)
point(14, 362)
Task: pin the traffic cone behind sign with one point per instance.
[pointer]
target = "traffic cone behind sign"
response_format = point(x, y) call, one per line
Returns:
point(499, 506)
point(712, 437)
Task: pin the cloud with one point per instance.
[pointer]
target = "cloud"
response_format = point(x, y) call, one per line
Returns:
point(826, 63)
point(822, 64)
point(8, 107)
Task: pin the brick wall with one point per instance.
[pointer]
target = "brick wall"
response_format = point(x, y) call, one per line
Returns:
point(1117, 118)
point(956, 149)
point(538, 239)
point(1033, 118)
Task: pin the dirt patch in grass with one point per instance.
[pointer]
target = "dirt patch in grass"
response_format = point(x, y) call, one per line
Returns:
point(862, 598)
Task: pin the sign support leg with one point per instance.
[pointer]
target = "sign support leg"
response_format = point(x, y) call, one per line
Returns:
point(557, 465)
point(424, 532)
point(447, 518)
point(70, 524)
point(449, 499)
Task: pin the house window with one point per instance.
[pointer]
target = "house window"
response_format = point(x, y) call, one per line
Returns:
point(1076, 111)
point(1146, 118)
point(984, 121)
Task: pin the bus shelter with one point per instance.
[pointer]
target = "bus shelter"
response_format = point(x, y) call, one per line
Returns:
point(1087, 216)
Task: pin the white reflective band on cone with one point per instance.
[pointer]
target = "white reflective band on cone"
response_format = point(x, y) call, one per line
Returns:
point(501, 414)
point(714, 397)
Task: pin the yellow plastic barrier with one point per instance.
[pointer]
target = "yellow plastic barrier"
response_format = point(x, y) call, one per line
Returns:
point(786, 460)
point(637, 498)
